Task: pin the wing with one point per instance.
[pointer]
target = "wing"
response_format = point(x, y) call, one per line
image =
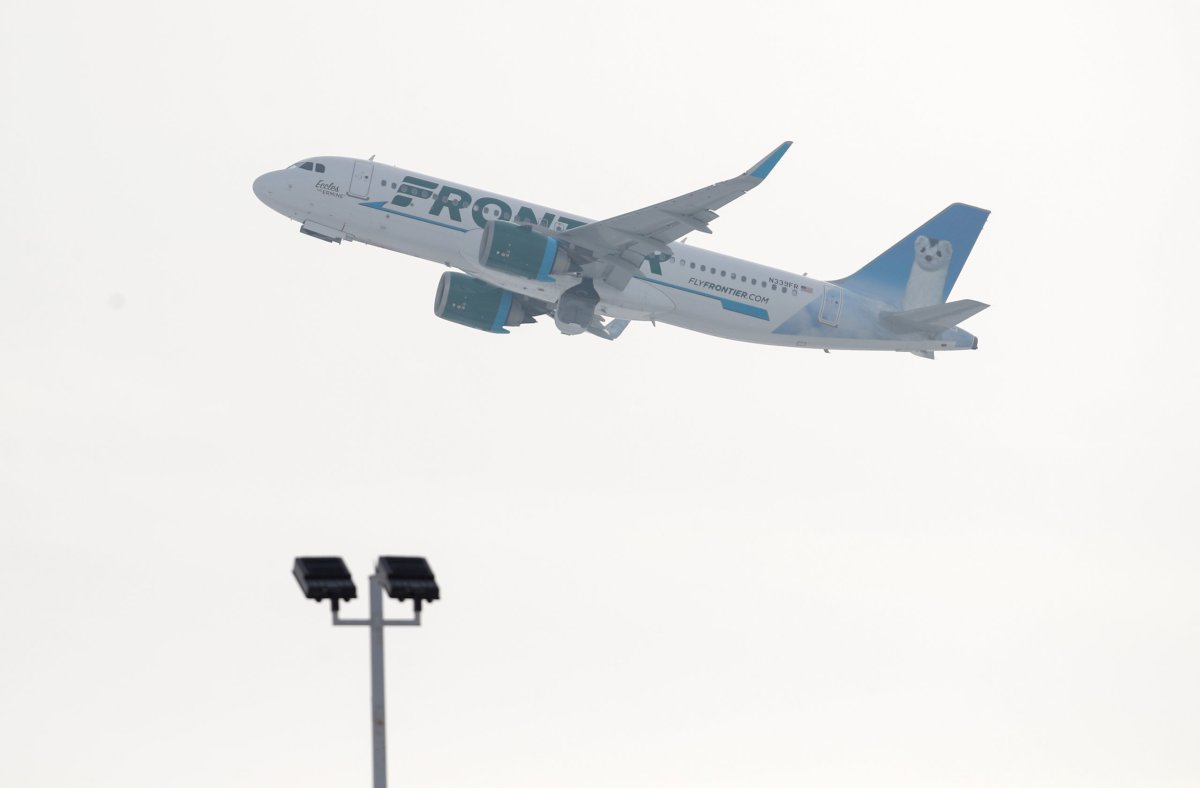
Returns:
point(614, 249)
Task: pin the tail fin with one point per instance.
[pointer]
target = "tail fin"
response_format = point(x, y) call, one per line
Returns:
point(922, 268)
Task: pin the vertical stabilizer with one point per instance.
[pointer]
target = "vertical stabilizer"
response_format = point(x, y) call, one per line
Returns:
point(921, 269)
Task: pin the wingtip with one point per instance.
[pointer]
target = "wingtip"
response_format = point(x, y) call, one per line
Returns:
point(764, 167)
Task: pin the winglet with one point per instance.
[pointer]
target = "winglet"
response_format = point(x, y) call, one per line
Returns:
point(764, 167)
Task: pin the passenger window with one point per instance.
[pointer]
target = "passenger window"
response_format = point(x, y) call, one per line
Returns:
point(743, 279)
point(722, 273)
point(693, 265)
point(773, 287)
point(383, 183)
point(701, 268)
point(752, 281)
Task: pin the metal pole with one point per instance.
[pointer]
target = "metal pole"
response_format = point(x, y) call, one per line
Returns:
point(378, 730)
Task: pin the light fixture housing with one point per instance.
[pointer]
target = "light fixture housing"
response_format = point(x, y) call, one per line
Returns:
point(407, 577)
point(324, 577)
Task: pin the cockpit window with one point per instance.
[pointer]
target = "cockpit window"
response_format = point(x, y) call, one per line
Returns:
point(319, 167)
point(308, 165)
point(311, 166)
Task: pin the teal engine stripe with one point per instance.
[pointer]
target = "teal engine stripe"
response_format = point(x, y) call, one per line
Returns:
point(543, 274)
point(502, 313)
point(731, 306)
point(381, 206)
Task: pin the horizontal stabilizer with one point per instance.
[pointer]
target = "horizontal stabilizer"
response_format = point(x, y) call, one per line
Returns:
point(932, 319)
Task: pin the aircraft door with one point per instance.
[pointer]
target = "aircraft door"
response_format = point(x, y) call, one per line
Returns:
point(360, 181)
point(831, 306)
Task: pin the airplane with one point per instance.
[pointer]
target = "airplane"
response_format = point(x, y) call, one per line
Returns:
point(517, 261)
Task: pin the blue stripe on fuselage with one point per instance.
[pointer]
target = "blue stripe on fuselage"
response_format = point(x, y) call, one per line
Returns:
point(381, 206)
point(727, 304)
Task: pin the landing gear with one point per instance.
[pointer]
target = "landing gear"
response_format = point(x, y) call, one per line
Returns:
point(576, 308)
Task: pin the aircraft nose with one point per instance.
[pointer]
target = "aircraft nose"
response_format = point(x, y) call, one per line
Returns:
point(262, 187)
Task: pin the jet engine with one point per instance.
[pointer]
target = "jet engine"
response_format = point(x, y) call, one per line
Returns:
point(472, 302)
point(520, 250)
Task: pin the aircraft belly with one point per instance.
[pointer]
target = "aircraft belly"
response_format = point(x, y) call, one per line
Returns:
point(638, 301)
point(717, 317)
point(400, 235)
point(792, 326)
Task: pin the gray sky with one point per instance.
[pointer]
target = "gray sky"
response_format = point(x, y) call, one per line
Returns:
point(669, 560)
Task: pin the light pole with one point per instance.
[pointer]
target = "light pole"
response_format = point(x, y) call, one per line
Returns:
point(403, 578)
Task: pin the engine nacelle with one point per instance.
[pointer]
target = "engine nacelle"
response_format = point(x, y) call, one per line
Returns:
point(472, 302)
point(520, 250)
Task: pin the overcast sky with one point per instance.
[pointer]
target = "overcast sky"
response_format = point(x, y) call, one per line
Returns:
point(668, 560)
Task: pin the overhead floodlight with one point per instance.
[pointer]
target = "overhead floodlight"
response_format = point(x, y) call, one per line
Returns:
point(324, 577)
point(407, 577)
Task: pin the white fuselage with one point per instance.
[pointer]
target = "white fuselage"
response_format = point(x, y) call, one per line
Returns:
point(701, 290)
